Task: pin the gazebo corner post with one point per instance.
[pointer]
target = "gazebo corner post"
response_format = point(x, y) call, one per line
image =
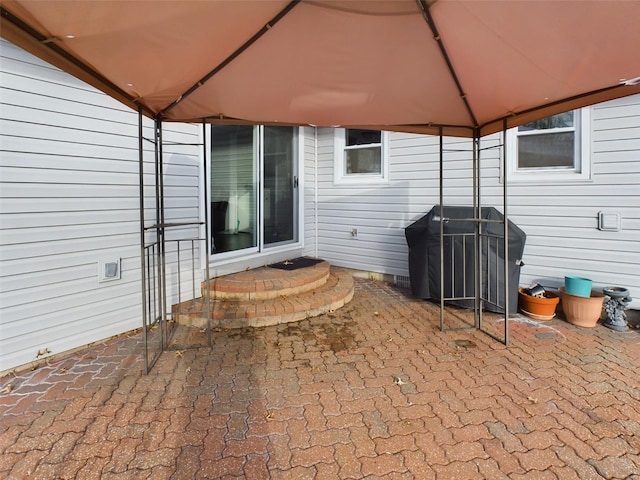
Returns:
point(160, 233)
point(143, 269)
point(506, 232)
point(207, 232)
point(477, 231)
point(441, 201)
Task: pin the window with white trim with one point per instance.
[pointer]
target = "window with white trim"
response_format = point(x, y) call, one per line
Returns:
point(360, 156)
point(555, 148)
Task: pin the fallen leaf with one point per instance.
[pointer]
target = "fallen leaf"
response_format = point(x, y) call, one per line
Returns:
point(533, 400)
point(179, 353)
point(188, 370)
point(269, 416)
point(7, 389)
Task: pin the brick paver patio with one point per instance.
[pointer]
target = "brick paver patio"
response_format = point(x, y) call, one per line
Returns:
point(373, 390)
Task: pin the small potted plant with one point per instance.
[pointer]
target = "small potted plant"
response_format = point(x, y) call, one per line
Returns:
point(537, 303)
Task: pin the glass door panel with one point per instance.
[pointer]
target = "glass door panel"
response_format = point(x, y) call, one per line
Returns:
point(280, 186)
point(234, 213)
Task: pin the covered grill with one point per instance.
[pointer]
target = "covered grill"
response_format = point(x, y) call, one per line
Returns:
point(423, 239)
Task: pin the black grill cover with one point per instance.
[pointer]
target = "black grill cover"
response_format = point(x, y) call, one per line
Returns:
point(423, 239)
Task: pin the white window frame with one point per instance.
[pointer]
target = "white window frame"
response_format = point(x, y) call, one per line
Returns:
point(340, 175)
point(581, 172)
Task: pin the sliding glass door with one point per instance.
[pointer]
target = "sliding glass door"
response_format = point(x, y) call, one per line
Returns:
point(280, 186)
point(254, 188)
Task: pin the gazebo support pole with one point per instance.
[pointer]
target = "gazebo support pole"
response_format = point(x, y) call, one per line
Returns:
point(143, 268)
point(477, 230)
point(160, 233)
point(207, 231)
point(506, 233)
point(441, 230)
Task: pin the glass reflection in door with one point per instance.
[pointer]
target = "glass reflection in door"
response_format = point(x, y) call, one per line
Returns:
point(280, 186)
point(233, 188)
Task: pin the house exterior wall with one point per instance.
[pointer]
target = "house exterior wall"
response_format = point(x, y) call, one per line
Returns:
point(559, 218)
point(69, 198)
point(309, 201)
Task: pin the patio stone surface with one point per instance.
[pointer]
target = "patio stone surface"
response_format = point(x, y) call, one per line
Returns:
point(371, 391)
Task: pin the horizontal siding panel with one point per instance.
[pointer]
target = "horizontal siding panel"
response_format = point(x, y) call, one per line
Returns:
point(13, 174)
point(55, 297)
point(79, 204)
point(381, 265)
point(18, 115)
point(623, 145)
point(46, 93)
point(616, 171)
point(570, 221)
point(29, 250)
point(570, 265)
point(94, 326)
point(587, 236)
point(62, 233)
point(368, 238)
point(550, 275)
point(79, 149)
point(31, 66)
point(60, 219)
point(627, 117)
point(25, 280)
point(79, 190)
point(75, 149)
point(74, 163)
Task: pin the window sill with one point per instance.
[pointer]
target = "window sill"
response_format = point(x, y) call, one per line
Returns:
point(357, 180)
point(548, 177)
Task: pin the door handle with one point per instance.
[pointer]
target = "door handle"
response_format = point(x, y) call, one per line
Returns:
point(295, 182)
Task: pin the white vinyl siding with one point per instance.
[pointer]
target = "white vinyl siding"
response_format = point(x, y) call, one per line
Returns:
point(308, 199)
point(559, 218)
point(69, 197)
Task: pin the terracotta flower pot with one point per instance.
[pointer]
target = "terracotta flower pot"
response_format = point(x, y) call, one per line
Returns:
point(582, 311)
point(536, 307)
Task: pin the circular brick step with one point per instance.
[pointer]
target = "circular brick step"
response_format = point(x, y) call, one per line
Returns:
point(266, 283)
point(225, 313)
